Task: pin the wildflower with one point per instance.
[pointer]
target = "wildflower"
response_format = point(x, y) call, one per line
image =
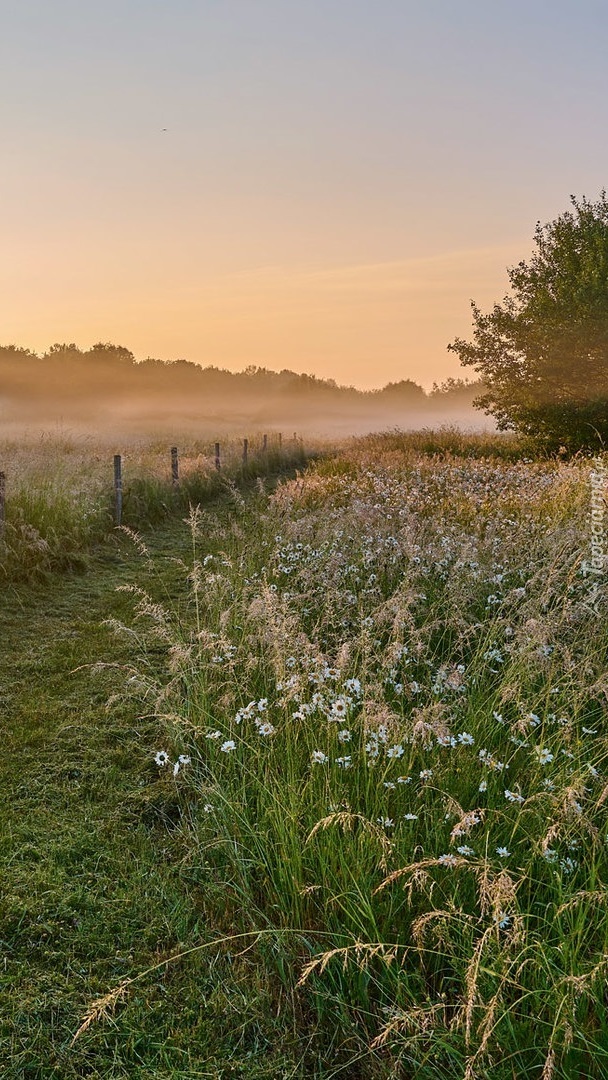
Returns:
point(162, 758)
point(464, 849)
point(465, 739)
point(214, 735)
point(410, 817)
point(266, 729)
point(318, 757)
point(404, 779)
point(344, 762)
point(208, 808)
point(568, 865)
point(396, 751)
point(389, 785)
point(184, 759)
point(513, 796)
point(502, 920)
point(550, 855)
point(448, 860)
point(544, 756)
point(502, 852)
point(353, 686)
point(446, 740)
point(339, 709)
point(466, 823)
point(589, 731)
point(262, 704)
point(426, 774)
point(387, 822)
point(344, 735)
point(498, 717)
point(228, 745)
point(532, 719)
point(483, 786)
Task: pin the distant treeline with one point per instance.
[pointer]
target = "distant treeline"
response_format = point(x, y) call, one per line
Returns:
point(107, 380)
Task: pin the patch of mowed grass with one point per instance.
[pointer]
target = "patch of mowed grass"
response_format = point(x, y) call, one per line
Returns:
point(93, 891)
point(391, 686)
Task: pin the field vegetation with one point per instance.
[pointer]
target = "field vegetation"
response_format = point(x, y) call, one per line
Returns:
point(370, 770)
point(60, 499)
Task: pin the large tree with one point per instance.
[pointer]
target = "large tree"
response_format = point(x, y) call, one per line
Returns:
point(542, 353)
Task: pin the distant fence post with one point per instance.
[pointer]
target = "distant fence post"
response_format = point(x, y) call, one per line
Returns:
point(174, 466)
point(280, 441)
point(265, 443)
point(218, 462)
point(118, 489)
point(2, 502)
point(245, 450)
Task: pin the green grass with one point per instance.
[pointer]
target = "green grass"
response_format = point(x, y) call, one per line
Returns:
point(276, 914)
point(93, 891)
point(60, 502)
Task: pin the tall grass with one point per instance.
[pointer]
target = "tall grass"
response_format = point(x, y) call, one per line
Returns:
point(60, 499)
point(384, 708)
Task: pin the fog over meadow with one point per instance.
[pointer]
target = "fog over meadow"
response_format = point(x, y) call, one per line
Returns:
point(105, 389)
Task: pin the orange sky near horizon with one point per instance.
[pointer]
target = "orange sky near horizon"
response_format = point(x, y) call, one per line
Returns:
point(321, 187)
point(363, 325)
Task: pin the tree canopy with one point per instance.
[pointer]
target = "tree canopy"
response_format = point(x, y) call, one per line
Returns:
point(542, 354)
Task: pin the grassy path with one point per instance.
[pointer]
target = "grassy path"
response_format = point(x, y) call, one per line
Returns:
point(91, 891)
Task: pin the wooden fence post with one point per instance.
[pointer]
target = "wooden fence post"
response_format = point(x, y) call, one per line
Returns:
point(118, 489)
point(245, 450)
point(2, 502)
point(280, 441)
point(174, 466)
point(218, 462)
point(265, 443)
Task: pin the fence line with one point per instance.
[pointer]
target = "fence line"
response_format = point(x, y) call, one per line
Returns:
point(2, 502)
point(263, 450)
point(118, 489)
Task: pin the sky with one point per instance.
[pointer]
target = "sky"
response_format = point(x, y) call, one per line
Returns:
point(320, 185)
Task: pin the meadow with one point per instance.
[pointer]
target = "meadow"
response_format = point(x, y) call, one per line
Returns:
point(60, 495)
point(371, 758)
